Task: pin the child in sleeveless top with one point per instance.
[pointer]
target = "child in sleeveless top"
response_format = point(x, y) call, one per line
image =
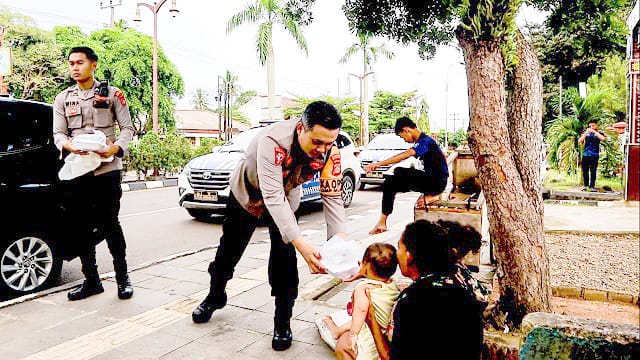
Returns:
point(378, 264)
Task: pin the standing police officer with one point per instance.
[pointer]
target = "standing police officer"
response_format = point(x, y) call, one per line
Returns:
point(267, 184)
point(92, 201)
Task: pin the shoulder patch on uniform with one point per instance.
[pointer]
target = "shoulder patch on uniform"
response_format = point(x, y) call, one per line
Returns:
point(279, 155)
point(120, 96)
point(336, 169)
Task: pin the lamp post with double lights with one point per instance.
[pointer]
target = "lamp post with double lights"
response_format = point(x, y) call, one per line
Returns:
point(154, 9)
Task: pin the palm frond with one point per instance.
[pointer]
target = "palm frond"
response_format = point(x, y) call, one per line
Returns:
point(382, 50)
point(251, 14)
point(263, 41)
point(352, 50)
point(292, 26)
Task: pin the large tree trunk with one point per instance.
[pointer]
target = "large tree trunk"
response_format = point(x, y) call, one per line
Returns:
point(365, 104)
point(515, 223)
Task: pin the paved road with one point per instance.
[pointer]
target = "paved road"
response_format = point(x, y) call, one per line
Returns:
point(156, 227)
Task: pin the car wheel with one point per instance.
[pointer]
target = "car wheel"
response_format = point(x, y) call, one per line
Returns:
point(347, 190)
point(199, 214)
point(28, 264)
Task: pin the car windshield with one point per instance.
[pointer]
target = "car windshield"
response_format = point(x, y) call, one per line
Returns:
point(240, 142)
point(388, 142)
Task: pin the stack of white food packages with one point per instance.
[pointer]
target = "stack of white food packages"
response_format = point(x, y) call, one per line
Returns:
point(341, 257)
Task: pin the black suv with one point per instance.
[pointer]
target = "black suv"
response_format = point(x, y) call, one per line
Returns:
point(30, 256)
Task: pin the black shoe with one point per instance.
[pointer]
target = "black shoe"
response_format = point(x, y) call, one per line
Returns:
point(282, 339)
point(85, 290)
point(203, 312)
point(125, 289)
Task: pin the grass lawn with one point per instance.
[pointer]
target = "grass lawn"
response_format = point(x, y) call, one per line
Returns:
point(562, 181)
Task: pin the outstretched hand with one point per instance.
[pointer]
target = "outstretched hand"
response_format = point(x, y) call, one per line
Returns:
point(310, 254)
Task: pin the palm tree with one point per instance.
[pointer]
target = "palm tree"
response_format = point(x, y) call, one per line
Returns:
point(200, 100)
point(231, 89)
point(563, 133)
point(269, 12)
point(370, 55)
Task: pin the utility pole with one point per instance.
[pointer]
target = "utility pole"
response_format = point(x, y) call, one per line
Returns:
point(111, 5)
point(364, 127)
point(560, 101)
point(154, 9)
point(219, 100)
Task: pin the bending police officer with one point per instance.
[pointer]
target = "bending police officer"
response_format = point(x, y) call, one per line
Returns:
point(266, 185)
point(92, 201)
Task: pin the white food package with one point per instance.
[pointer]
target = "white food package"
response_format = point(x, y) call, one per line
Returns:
point(340, 257)
point(90, 142)
point(77, 165)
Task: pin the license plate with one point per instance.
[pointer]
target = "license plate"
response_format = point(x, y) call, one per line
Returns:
point(205, 195)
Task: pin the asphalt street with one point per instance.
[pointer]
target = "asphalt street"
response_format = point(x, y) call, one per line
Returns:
point(156, 227)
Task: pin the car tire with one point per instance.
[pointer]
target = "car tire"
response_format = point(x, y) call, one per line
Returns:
point(348, 188)
point(199, 214)
point(35, 257)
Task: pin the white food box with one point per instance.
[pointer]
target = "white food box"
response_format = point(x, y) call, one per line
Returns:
point(341, 257)
point(90, 142)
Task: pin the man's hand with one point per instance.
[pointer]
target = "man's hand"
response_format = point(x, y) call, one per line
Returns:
point(369, 168)
point(109, 150)
point(67, 146)
point(310, 254)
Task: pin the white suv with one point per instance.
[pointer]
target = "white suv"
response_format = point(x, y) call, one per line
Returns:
point(203, 185)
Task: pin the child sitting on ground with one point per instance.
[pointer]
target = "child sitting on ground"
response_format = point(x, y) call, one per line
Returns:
point(378, 264)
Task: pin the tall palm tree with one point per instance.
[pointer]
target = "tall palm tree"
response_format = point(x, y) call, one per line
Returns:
point(563, 133)
point(370, 55)
point(268, 13)
point(200, 100)
point(230, 90)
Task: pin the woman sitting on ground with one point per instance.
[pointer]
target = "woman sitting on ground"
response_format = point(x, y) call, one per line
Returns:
point(436, 316)
point(378, 264)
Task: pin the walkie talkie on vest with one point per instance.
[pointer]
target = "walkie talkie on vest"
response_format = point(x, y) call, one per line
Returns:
point(101, 96)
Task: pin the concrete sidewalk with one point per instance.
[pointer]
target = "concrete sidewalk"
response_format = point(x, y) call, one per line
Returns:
point(156, 322)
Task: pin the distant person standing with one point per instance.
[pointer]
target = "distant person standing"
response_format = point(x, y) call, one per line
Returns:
point(92, 201)
point(591, 139)
point(431, 180)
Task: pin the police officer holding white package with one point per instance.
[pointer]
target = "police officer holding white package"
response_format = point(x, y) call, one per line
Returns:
point(266, 184)
point(91, 202)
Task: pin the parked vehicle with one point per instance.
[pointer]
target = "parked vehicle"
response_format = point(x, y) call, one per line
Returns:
point(203, 185)
point(381, 147)
point(30, 254)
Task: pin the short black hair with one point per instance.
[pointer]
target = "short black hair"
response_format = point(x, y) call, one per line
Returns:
point(593, 121)
point(463, 238)
point(321, 113)
point(403, 122)
point(91, 55)
point(429, 244)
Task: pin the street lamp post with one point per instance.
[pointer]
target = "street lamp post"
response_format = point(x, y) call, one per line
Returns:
point(154, 9)
point(364, 126)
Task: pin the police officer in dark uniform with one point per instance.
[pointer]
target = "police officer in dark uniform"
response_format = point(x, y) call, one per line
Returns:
point(91, 202)
point(431, 180)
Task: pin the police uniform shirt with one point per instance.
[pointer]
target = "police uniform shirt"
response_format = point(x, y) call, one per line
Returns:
point(75, 114)
point(271, 172)
point(433, 160)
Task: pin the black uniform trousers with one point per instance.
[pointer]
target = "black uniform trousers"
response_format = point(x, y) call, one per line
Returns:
point(409, 179)
point(91, 205)
point(237, 229)
point(589, 168)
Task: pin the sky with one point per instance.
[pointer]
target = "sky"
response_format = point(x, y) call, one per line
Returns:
point(196, 41)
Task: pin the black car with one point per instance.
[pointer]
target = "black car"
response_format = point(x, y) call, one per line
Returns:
point(30, 256)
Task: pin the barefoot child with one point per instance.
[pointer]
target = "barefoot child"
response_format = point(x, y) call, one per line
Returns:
point(378, 265)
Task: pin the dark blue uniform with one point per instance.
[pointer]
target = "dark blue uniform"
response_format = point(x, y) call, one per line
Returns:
point(432, 180)
point(590, 157)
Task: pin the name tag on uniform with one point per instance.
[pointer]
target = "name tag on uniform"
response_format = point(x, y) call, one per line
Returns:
point(72, 110)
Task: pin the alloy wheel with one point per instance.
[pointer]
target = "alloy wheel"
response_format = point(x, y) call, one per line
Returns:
point(26, 264)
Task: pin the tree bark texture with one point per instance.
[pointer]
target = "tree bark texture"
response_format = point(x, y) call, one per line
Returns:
point(515, 223)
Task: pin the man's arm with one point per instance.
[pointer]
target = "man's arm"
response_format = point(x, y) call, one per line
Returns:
point(600, 135)
point(392, 160)
point(331, 192)
point(123, 117)
point(584, 136)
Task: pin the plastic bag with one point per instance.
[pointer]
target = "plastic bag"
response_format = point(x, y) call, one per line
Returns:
point(340, 257)
point(77, 165)
point(95, 141)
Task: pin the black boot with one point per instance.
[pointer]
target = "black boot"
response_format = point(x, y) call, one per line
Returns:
point(125, 289)
point(88, 288)
point(282, 336)
point(203, 312)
